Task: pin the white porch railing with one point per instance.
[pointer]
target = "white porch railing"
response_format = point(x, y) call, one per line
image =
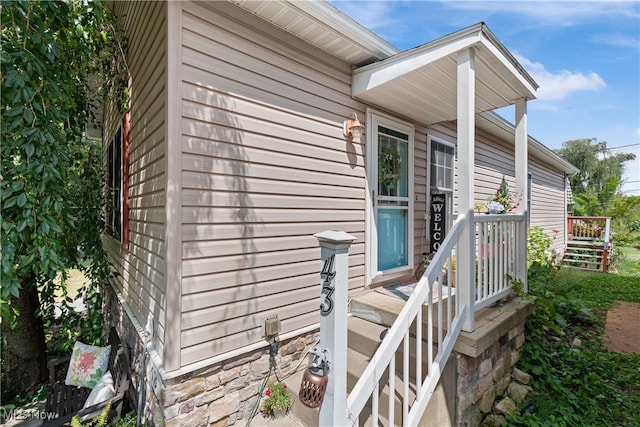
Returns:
point(500, 251)
point(404, 342)
point(499, 240)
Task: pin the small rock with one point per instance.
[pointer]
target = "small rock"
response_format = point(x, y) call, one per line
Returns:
point(529, 409)
point(506, 406)
point(518, 391)
point(520, 376)
point(577, 343)
point(555, 338)
point(494, 420)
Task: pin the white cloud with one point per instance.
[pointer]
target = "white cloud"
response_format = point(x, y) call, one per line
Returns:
point(374, 15)
point(557, 13)
point(617, 40)
point(556, 86)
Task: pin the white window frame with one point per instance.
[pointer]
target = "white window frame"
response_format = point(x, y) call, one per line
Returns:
point(375, 119)
point(450, 211)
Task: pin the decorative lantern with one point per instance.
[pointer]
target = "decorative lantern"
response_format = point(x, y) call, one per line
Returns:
point(314, 380)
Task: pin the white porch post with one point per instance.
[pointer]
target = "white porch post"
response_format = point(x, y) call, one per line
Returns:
point(466, 162)
point(522, 182)
point(333, 323)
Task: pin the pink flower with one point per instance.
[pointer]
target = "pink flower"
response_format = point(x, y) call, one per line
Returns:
point(267, 393)
point(285, 386)
point(86, 361)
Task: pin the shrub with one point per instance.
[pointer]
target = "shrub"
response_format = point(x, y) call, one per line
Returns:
point(538, 246)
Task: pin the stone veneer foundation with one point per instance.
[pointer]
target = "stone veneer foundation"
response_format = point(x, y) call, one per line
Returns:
point(223, 394)
point(485, 359)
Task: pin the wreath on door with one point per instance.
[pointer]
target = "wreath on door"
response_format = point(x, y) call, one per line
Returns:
point(390, 167)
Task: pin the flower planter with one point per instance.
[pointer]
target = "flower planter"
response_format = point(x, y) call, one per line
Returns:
point(279, 414)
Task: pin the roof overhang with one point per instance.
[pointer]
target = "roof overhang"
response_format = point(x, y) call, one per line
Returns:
point(323, 26)
point(499, 76)
point(421, 83)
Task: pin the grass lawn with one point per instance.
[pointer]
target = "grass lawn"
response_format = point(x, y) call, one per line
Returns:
point(580, 385)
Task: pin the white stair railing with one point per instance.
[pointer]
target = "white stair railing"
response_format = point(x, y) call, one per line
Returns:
point(404, 345)
point(498, 259)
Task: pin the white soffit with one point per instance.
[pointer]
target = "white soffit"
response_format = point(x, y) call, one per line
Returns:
point(421, 83)
point(323, 26)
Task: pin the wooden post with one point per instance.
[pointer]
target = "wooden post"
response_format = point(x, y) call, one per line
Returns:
point(333, 322)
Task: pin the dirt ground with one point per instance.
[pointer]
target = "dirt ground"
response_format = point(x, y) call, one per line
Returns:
point(622, 328)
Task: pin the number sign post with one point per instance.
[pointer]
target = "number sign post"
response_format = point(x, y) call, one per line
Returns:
point(334, 253)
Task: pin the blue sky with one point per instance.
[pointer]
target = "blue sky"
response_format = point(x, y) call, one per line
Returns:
point(585, 55)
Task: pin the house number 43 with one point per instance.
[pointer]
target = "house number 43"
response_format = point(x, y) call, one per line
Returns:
point(328, 273)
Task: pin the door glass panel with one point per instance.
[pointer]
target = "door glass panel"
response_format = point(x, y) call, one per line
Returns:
point(393, 163)
point(392, 219)
point(392, 238)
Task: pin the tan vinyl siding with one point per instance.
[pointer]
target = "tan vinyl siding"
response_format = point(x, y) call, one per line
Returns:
point(420, 196)
point(548, 208)
point(265, 166)
point(141, 268)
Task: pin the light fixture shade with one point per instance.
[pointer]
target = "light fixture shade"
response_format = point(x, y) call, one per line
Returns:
point(353, 128)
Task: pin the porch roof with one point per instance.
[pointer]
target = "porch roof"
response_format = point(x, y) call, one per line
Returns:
point(421, 83)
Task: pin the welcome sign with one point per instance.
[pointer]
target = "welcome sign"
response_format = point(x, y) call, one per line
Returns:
point(437, 220)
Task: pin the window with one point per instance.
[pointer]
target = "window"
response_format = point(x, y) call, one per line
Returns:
point(441, 166)
point(441, 177)
point(117, 181)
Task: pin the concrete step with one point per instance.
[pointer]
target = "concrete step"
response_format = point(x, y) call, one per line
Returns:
point(383, 309)
point(372, 314)
point(363, 336)
point(357, 362)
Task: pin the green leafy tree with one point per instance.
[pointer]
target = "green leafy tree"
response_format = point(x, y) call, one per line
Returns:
point(600, 174)
point(52, 54)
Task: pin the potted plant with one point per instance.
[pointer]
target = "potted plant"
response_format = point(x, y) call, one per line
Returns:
point(503, 201)
point(277, 400)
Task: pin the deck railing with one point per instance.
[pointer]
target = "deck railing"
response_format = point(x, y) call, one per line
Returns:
point(588, 242)
point(499, 256)
point(416, 359)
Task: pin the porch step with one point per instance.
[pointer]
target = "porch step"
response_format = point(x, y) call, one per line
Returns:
point(363, 340)
point(584, 255)
point(357, 362)
point(383, 309)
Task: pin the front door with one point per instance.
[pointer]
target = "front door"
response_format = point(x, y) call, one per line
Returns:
point(391, 181)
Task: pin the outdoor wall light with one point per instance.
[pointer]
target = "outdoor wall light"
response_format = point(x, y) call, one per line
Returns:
point(353, 128)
